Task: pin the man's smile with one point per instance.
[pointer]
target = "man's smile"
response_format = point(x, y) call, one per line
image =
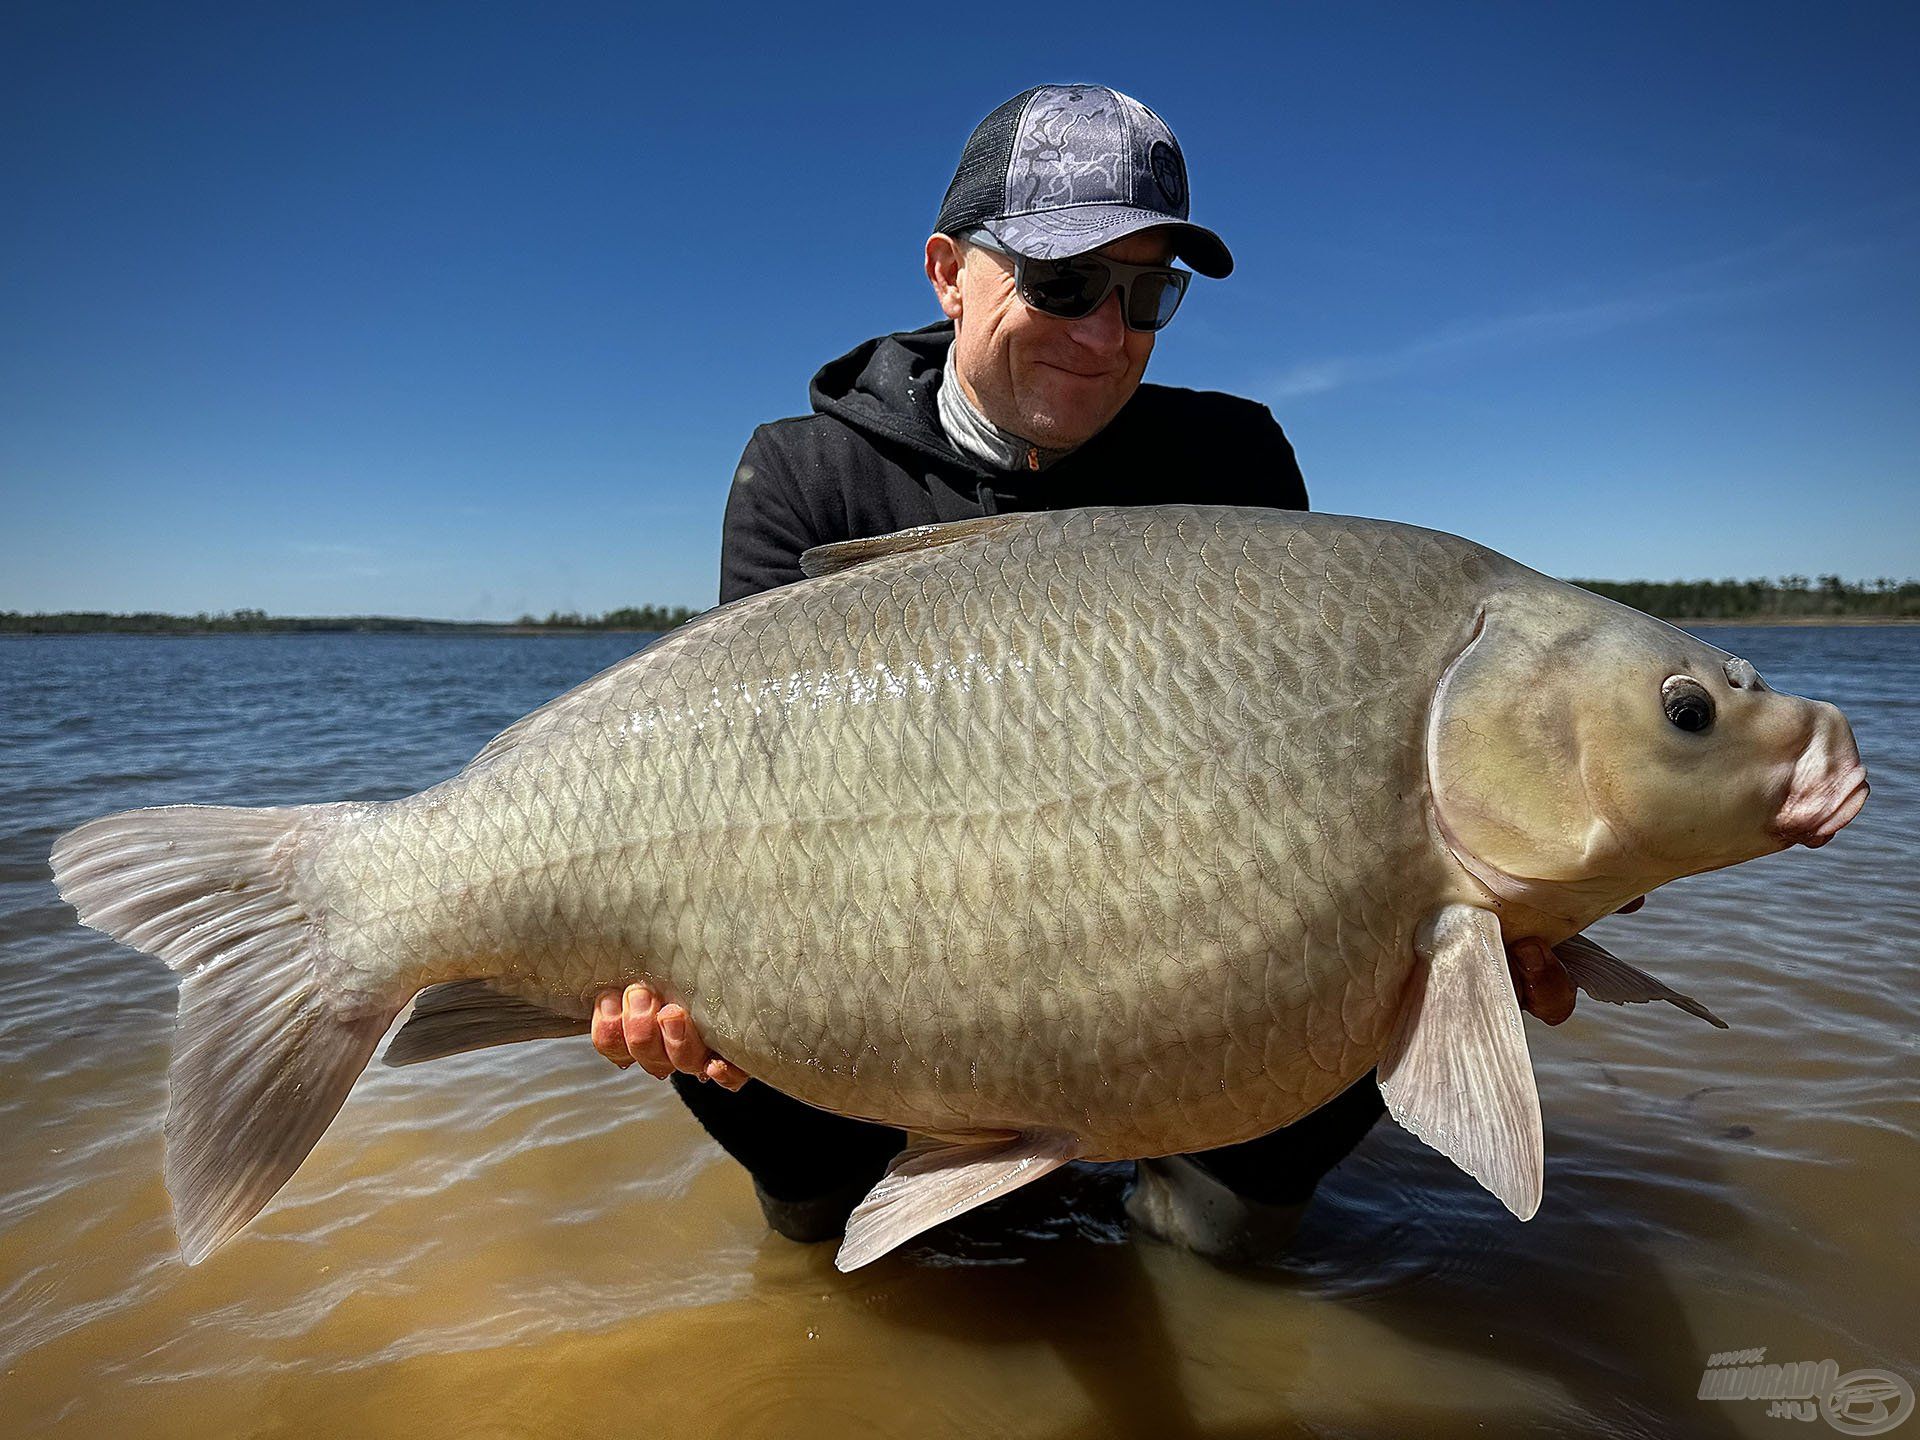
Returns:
point(1070, 370)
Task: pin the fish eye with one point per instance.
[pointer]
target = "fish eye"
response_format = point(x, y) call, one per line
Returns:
point(1687, 703)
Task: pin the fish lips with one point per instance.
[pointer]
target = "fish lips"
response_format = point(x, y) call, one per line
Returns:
point(1814, 814)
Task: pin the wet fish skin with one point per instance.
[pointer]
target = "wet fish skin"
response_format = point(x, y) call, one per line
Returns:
point(974, 885)
point(1118, 829)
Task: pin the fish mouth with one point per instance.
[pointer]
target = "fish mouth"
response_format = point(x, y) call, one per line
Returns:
point(1813, 818)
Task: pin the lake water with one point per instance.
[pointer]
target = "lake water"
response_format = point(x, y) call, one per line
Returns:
point(527, 1242)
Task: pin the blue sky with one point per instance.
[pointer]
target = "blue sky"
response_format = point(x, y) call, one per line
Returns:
point(467, 310)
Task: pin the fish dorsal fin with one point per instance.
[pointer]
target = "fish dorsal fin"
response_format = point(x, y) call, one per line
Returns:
point(464, 1015)
point(1456, 1072)
point(820, 560)
point(932, 1181)
point(1605, 976)
point(845, 554)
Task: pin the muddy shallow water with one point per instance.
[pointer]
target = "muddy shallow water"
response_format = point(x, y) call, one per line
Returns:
point(527, 1242)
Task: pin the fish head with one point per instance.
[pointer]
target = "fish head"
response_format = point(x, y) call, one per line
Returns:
point(1581, 753)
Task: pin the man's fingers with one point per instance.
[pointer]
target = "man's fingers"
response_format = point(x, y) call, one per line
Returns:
point(633, 1026)
point(1541, 981)
point(639, 1021)
point(686, 1051)
point(607, 1036)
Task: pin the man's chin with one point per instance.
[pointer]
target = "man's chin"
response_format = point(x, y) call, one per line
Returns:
point(1050, 434)
point(1062, 425)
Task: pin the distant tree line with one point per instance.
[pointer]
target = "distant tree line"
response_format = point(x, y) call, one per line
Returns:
point(1791, 597)
point(653, 618)
point(644, 617)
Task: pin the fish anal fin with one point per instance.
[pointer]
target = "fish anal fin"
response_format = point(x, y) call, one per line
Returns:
point(845, 554)
point(464, 1015)
point(1608, 978)
point(932, 1181)
point(1456, 1072)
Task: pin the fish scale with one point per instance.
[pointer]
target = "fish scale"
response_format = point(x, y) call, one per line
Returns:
point(1024, 819)
point(1107, 833)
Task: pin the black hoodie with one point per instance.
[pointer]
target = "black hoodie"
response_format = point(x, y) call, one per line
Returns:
point(873, 458)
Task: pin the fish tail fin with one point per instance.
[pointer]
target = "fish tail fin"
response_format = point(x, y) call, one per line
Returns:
point(268, 1041)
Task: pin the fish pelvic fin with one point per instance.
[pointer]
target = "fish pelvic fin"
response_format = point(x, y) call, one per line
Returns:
point(267, 1041)
point(1457, 1072)
point(464, 1015)
point(931, 1181)
point(1606, 977)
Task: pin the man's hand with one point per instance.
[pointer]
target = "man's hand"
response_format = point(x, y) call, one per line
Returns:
point(634, 1027)
point(1541, 981)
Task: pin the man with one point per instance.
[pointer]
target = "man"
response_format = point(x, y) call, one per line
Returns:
point(1052, 261)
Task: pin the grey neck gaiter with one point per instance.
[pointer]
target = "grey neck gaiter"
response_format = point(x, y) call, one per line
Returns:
point(978, 438)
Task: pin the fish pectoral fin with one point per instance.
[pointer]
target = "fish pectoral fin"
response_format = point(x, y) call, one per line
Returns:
point(1456, 1072)
point(467, 1015)
point(1608, 978)
point(841, 555)
point(932, 1181)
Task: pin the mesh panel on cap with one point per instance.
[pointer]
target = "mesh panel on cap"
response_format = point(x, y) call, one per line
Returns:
point(979, 187)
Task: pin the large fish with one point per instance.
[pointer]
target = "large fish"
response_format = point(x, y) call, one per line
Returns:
point(1101, 834)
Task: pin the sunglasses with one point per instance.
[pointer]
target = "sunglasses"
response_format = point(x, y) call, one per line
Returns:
point(1078, 285)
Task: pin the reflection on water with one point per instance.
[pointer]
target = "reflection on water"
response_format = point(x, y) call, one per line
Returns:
point(527, 1242)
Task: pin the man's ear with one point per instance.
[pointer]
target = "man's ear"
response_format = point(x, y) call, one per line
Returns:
point(944, 265)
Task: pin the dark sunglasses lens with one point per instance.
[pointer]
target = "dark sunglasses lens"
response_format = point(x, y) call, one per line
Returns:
point(1152, 298)
point(1067, 288)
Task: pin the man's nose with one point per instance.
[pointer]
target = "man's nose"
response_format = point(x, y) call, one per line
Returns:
point(1103, 329)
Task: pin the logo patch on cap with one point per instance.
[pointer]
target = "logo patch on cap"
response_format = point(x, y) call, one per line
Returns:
point(1169, 174)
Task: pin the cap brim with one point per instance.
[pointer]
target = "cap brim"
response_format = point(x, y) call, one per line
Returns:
point(1074, 230)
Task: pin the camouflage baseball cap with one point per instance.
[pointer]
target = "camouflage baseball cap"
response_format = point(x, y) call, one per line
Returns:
point(1063, 169)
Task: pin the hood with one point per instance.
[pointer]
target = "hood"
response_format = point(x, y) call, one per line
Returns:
point(889, 388)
